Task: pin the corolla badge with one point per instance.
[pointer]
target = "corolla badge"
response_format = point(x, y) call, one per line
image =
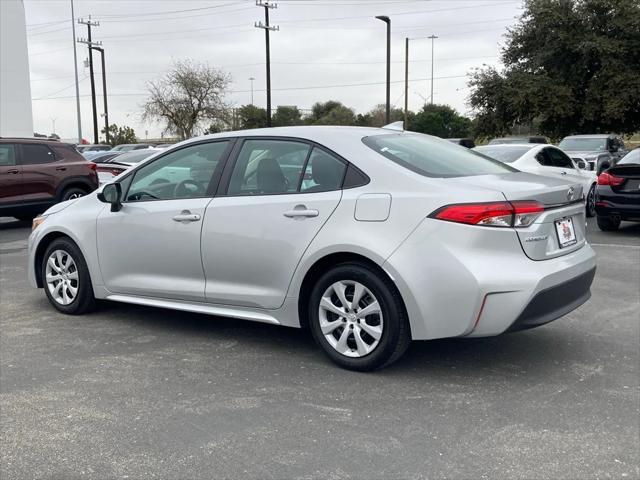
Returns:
point(570, 193)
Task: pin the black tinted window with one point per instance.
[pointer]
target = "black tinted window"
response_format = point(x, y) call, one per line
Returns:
point(544, 158)
point(354, 178)
point(433, 157)
point(560, 160)
point(324, 172)
point(36, 154)
point(7, 155)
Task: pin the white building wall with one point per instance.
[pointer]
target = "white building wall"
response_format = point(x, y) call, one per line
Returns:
point(16, 117)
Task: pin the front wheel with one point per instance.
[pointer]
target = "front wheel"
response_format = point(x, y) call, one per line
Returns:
point(608, 224)
point(357, 317)
point(66, 279)
point(72, 193)
point(591, 202)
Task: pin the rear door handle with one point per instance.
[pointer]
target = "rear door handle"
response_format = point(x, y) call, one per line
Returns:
point(61, 169)
point(13, 171)
point(563, 173)
point(301, 211)
point(186, 216)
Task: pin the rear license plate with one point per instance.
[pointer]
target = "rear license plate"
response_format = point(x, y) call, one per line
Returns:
point(566, 232)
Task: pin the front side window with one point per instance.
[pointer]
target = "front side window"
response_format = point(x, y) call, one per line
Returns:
point(7, 155)
point(433, 157)
point(36, 154)
point(266, 167)
point(184, 173)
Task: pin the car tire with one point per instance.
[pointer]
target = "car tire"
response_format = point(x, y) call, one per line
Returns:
point(338, 335)
point(608, 224)
point(66, 280)
point(71, 193)
point(591, 202)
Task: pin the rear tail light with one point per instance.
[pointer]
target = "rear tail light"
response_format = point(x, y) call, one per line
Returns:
point(92, 165)
point(607, 179)
point(491, 214)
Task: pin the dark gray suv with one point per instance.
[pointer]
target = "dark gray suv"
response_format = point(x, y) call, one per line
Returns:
point(594, 152)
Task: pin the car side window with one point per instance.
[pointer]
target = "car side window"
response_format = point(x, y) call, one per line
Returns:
point(184, 173)
point(544, 158)
point(560, 160)
point(7, 155)
point(36, 154)
point(267, 167)
point(324, 172)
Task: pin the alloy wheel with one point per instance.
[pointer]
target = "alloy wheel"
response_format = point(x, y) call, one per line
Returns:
point(351, 318)
point(62, 277)
point(591, 202)
point(75, 195)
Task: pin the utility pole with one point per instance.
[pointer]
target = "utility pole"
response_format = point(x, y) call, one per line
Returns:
point(88, 41)
point(406, 83)
point(104, 94)
point(432, 37)
point(251, 79)
point(75, 68)
point(267, 28)
point(387, 20)
point(53, 121)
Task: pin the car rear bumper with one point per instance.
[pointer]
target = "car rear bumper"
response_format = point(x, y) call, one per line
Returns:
point(611, 204)
point(459, 280)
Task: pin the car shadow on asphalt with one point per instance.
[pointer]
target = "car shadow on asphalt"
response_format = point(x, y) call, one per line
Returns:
point(12, 224)
point(540, 350)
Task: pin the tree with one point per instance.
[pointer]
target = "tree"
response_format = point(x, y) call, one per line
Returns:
point(187, 96)
point(251, 116)
point(120, 135)
point(440, 120)
point(572, 65)
point(331, 113)
point(376, 117)
point(285, 116)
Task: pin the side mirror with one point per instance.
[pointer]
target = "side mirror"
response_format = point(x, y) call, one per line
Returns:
point(112, 194)
point(582, 165)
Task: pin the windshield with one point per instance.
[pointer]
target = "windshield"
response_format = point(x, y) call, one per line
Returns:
point(631, 157)
point(504, 154)
point(584, 144)
point(433, 157)
point(135, 156)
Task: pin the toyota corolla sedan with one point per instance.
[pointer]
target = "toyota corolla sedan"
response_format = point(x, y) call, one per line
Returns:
point(370, 238)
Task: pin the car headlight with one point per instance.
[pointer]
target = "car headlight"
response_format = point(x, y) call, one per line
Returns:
point(38, 221)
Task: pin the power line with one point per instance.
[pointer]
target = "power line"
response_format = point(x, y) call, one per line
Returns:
point(167, 12)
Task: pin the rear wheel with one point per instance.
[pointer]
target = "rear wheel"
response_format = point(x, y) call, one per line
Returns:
point(71, 193)
point(608, 224)
point(66, 279)
point(591, 201)
point(357, 317)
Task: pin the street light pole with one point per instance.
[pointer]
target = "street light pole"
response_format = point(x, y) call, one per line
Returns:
point(387, 20)
point(432, 37)
point(75, 68)
point(251, 79)
point(406, 83)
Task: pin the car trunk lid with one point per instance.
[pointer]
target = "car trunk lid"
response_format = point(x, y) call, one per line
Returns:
point(564, 211)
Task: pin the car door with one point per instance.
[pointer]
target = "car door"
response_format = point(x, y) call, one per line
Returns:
point(151, 246)
point(278, 193)
point(42, 172)
point(559, 165)
point(10, 175)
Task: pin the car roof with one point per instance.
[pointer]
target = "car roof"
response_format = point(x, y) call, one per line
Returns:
point(595, 135)
point(514, 145)
point(33, 140)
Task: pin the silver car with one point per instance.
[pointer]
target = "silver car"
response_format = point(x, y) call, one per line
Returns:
point(370, 238)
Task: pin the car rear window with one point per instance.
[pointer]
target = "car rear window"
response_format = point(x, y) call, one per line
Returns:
point(504, 154)
point(434, 157)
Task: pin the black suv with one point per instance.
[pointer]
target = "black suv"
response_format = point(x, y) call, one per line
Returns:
point(35, 174)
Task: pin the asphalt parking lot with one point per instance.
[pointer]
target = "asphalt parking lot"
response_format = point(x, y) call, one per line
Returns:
point(134, 392)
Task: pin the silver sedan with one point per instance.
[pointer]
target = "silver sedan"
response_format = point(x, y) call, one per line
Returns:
point(369, 238)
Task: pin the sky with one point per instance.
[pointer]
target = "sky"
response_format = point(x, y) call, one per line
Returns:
point(323, 50)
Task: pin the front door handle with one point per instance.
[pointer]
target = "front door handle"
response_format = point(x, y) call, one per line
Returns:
point(563, 173)
point(186, 216)
point(301, 211)
point(61, 169)
point(13, 171)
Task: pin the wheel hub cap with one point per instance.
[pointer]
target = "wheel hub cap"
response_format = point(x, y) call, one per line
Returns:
point(62, 278)
point(351, 318)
